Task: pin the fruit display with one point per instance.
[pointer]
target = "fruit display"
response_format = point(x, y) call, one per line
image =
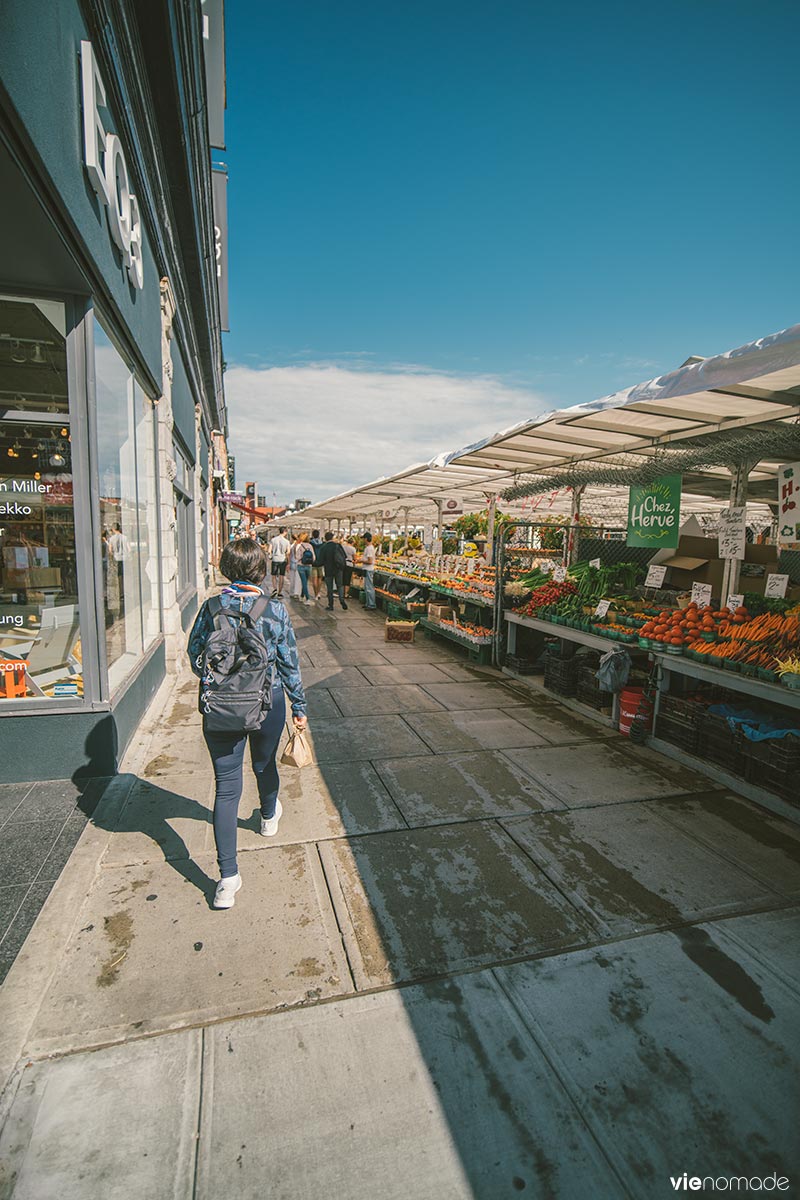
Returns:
point(473, 633)
point(548, 595)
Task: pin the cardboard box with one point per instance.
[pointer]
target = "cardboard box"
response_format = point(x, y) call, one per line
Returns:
point(40, 577)
point(439, 612)
point(696, 561)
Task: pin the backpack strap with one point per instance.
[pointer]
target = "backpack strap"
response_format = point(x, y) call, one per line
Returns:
point(258, 610)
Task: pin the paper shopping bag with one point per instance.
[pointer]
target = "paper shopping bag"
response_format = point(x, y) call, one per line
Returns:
point(297, 753)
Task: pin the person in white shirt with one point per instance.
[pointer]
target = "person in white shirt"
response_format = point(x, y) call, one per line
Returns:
point(279, 551)
point(368, 563)
point(350, 552)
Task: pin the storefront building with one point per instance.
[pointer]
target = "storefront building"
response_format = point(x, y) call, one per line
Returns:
point(112, 415)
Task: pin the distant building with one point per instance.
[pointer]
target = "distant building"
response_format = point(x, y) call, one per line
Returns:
point(299, 505)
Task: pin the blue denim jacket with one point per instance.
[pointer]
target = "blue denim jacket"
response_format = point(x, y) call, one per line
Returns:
point(276, 630)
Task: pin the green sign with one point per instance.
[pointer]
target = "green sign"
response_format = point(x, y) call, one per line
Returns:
point(654, 513)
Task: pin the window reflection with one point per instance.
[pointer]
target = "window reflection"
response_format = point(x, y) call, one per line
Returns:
point(128, 511)
point(40, 643)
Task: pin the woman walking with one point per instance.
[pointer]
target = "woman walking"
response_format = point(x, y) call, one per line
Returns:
point(244, 563)
point(304, 557)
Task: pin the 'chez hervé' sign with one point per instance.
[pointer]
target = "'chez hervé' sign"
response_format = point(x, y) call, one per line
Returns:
point(654, 512)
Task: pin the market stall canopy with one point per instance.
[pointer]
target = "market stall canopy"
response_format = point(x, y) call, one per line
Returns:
point(712, 412)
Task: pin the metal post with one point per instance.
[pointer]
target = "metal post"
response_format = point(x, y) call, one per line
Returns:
point(740, 474)
point(573, 536)
point(490, 522)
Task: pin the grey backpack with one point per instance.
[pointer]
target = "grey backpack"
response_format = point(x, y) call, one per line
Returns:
point(236, 683)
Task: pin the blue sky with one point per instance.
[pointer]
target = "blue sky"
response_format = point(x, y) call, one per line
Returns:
point(492, 208)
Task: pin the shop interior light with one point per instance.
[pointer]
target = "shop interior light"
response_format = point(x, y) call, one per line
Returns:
point(17, 353)
point(38, 355)
point(57, 460)
point(64, 432)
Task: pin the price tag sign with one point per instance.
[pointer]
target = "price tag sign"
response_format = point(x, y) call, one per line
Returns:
point(414, 592)
point(701, 594)
point(776, 586)
point(734, 601)
point(594, 562)
point(655, 577)
point(546, 567)
point(470, 566)
point(560, 574)
point(732, 527)
point(602, 608)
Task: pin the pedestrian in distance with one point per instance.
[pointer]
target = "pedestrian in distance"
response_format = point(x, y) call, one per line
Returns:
point(293, 578)
point(333, 560)
point(350, 554)
point(242, 648)
point(305, 558)
point(279, 550)
point(368, 563)
point(316, 570)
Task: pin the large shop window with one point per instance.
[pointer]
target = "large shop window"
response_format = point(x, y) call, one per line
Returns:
point(128, 511)
point(184, 520)
point(40, 643)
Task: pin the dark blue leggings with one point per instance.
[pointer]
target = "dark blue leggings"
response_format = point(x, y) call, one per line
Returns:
point(227, 755)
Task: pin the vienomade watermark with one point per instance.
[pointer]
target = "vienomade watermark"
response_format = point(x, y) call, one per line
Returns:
point(729, 1183)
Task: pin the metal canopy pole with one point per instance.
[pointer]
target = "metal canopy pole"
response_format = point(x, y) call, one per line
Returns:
point(490, 523)
point(573, 536)
point(740, 474)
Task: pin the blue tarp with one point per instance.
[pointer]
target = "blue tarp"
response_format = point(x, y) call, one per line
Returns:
point(756, 726)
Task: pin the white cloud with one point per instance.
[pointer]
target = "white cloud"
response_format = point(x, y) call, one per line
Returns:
point(322, 428)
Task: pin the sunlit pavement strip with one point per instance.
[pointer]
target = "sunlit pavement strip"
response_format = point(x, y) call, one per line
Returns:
point(512, 887)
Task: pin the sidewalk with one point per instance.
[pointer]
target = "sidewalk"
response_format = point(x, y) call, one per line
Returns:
point(494, 950)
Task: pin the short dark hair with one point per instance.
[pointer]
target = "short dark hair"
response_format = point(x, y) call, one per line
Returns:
point(329, 536)
point(243, 559)
point(283, 529)
point(315, 533)
point(367, 537)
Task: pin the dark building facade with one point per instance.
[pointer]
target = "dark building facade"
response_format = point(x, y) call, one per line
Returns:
point(112, 413)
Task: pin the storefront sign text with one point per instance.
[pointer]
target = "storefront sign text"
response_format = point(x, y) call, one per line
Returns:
point(654, 511)
point(107, 169)
point(789, 505)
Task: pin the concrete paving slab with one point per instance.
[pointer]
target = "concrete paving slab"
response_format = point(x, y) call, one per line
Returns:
point(762, 844)
point(558, 724)
point(489, 729)
point(11, 796)
point(384, 698)
point(151, 955)
point(411, 673)
point(333, 676)
point(420, 652)
point(598, 773)
point(434, 1092)
point(181, 751)
point(679, 1054)
point(110, 1125)
point(25, 847)
point(340, 800)
point(321, 704)
point(476, 695)
point(459, 672)
point(773, 938)
point(350, 739)
point(438, 900)
point(461, 787)
point(167, 818)
point(350, 656)
point(605, 856)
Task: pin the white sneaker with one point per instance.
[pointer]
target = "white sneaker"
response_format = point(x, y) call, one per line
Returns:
point(269, 827)
point(225, 896)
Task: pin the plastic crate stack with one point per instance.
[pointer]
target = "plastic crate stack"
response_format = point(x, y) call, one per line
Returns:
point(680, 722)
point(774, 764)
point(561, 675)
point(587, 687)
